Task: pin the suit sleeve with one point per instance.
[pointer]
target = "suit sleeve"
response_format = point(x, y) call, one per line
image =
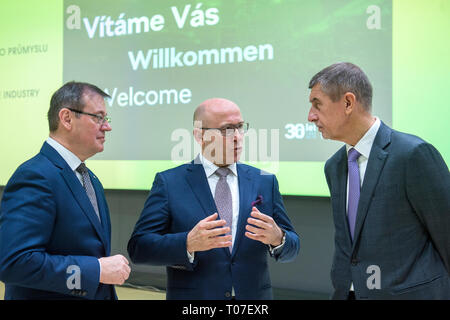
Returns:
point(27, 216)
point(151, 241)
point(428, 189)
point(291, 247)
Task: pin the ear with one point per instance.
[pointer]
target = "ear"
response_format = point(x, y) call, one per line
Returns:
point(350, 102)
point(65, 118)
point(198, 136)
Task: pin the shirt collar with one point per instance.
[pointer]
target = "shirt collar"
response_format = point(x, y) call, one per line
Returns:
point(364, 145)
point(210, 168)
point(72, 160)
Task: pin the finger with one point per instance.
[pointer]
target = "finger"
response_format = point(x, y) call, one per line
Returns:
point(220, 239)
point(255, 209)
point(217, 232)
point(123, 259)
point(254, 230)
point(214, 224)
point(261, 216)
point(211, 217)
point(254, 236)
point(226, 238)
point(221, 244)
point(258, 223)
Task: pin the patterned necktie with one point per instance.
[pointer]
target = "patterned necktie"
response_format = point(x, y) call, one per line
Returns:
point(87, 184)
point(222, 197)
point(354, 188)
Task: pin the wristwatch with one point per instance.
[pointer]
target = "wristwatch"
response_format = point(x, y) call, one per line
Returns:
point(272, 248)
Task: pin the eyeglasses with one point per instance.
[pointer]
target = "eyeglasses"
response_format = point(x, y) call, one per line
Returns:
point(98, 118)
point(229, 130)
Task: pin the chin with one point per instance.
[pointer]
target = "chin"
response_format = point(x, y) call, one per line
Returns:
point(100, 148)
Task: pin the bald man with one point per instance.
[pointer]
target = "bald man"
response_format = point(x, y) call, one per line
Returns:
point(214, 222)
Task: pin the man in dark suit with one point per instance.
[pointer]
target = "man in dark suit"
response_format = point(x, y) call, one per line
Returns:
point(390, 194)
point(213, 222)
point(55, 230)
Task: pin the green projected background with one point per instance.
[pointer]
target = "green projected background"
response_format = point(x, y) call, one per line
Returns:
point(405, 53)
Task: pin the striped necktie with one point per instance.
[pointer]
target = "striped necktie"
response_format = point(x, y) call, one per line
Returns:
point(87, 184)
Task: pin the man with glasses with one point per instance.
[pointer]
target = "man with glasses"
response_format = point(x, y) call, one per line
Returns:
point(55, 230)
point(213, 222)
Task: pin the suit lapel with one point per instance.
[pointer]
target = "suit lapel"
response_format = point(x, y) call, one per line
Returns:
point(76, 188)
point(374, 168)
point(102, 210)
point(247, 194)
point(198, 182)
point(342, 173)
point(81, 197)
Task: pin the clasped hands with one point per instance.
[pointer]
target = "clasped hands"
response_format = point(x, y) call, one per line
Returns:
point(210, 233)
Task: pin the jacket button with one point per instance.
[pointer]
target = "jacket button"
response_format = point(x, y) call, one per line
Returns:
point(354, 262)
point(227, 294)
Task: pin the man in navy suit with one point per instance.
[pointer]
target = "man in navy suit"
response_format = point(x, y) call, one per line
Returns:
point(390, 194)
point(213, 222)
point(55, 230)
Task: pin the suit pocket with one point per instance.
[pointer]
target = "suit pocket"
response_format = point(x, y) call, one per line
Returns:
point(417, 286)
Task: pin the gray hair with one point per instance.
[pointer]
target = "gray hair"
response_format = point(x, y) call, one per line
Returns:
point(342, 77)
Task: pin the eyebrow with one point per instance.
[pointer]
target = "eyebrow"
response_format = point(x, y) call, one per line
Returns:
point(314, 100)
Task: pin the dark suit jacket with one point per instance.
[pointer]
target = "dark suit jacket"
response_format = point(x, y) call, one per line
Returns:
point(402, 224)
point(179, 199)
point(48, 224)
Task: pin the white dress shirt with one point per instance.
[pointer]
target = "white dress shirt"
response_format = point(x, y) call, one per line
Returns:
point(72, 160)
point(232, 180)
point(364, 146)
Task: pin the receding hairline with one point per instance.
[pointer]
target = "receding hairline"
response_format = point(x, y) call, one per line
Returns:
point(201, 110)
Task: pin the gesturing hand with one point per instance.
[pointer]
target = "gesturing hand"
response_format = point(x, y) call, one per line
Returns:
point(263, 228)
point(208, 234)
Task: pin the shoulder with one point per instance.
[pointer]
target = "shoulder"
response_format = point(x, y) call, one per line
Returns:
point(255, 173)
point(176, 171)
point(38, 166)
point(410, 147)
point(35, 175)
point(174, 175)
point(406, 140)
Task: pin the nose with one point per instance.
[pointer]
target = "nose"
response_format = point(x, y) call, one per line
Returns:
point(106, 126)
point(312, 116)
point(237, 136)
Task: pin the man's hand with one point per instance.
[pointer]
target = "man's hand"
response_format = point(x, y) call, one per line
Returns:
point(263, 228)
point(114, 270)
point(208, 234)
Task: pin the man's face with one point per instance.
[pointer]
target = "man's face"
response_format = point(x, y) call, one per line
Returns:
point(89, 133)
point(223, 150)
point(328, 116)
